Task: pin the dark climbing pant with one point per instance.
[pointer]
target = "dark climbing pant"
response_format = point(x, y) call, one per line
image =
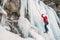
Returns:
point(46, 29)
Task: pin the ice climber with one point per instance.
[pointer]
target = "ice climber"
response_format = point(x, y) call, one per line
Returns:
point(45, 19)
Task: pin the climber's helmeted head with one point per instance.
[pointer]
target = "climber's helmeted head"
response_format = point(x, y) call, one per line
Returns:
point(43, 15)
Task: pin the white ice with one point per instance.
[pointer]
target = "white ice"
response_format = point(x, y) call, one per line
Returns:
point(35, 11)
point(6, 35)
point(34, 27)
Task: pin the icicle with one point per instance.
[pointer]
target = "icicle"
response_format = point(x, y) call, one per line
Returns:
point(23, 6)
point(23, 23)
point(4, 1)
point(3, 20)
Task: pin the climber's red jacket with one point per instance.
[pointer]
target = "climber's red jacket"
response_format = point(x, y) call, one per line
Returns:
point(45, 19)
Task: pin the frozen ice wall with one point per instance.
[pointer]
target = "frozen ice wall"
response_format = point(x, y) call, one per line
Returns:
point(35, 11)
point(53, 22)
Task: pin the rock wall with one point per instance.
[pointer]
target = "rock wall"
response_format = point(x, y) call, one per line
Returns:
point(12, 7)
